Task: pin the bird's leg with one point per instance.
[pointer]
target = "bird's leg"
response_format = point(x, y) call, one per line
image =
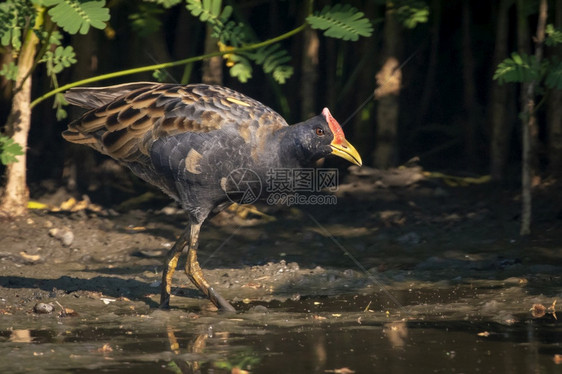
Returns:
point(193, 271)
point(170, 267)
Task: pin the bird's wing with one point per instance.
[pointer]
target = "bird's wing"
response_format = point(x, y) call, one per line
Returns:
point(95, 97)
point(133, 116)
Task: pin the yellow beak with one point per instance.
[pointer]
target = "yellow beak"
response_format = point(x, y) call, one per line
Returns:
point(346, 151)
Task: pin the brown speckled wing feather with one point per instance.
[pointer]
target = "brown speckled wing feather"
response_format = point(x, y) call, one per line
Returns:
point(124, 121)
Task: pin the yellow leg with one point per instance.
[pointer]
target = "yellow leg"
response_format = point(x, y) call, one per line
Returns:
point(170, 267)
point(193, 271)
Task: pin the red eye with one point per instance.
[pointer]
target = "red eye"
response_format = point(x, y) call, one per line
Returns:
point(319, 132)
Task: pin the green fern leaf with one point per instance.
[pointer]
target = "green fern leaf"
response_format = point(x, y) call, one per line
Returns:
point(554, 77)
point(241, 68)
point(517, 68)
point(61, 58)
point(77, 16)
point(341, 21)
point(232, 33)
point(412, 14)
point(14, 17)
point(209, 10)
point(282, 73)
point(9, 150)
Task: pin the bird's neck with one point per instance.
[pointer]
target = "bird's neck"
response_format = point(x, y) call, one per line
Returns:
point(290, 152)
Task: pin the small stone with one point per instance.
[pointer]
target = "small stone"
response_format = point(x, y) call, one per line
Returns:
point(42, 308)
point(67, 238)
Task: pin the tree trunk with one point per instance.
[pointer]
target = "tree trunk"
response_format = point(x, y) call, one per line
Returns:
point(389, 80)
point(212, 67)
point(16, 195)
point(430, 77)
point(309, 77)
point(554, 111)
point(529, 123)
point(499, 123)
point(469, 97)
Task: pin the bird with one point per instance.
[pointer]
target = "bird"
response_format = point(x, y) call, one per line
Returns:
point(196, 142)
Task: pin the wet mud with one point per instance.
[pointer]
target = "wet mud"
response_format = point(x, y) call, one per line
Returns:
point(416, 276)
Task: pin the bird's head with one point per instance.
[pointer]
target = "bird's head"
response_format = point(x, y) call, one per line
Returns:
point(323, 136)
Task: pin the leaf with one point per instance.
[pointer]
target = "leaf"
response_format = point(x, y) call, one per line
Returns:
point(77, 16)
point(61, 58)
point(9, 70)
point(520, 68)
point(241, 68)
point(165, 3)
point(160, 75)
point(15, 16)
point(282, 73)
point(554, 77)
point(146, 20)
point(9, 150)
point(342, 22)
point(412, 14)
point(59, 104)
point(207, 10)
point(554, 36)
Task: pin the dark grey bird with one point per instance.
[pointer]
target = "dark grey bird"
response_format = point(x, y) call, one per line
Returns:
point(196, 143)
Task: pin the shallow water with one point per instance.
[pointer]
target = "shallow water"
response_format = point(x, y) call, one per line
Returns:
point(462, 329)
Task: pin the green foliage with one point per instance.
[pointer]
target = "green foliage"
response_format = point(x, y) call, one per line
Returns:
point(165, 3)
point(145, 20)
point(61, 58)
point(554, 77)
point(341, 21)
point(520, 68)
point(58, 104)
point(160, 75)
point(272, 58)
point(411, 13)
point(553, 36)
point(14, 16)
point(10, 71)
point(210, 11)
point(240, 67)
point(9, 150)
point(77, 16)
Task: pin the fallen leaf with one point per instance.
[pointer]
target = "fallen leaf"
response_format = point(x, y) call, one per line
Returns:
point(557, 359)
point(106, 348)
point(68, 204)
point(31, 258)
point(36, 205)
point(538, 310)
point(317, 317)
point(340, 371)
point(483, 333)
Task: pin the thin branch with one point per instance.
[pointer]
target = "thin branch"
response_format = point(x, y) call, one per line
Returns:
point(168, 64)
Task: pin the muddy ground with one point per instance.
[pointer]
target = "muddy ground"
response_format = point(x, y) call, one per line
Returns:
point(389, 233)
